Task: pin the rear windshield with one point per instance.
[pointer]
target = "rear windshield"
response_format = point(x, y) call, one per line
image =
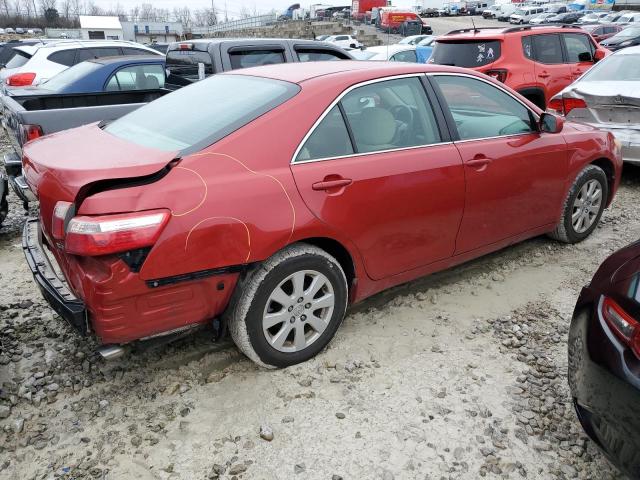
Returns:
point(18, 60)
point(184, 63)
point(619, 68)
point(70, 76)
point(199, 115)
point(467, 54)
point(6, 53)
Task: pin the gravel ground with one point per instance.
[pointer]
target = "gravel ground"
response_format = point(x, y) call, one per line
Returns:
point(460, 375)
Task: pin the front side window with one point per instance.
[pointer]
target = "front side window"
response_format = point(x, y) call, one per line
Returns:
point(577, 45)
point(389, 115)
point(481, 110)
point(329, 139)
point(187, 121)
point(255, 58)
point(408, 56)
point(137, 77)
point(547, 49)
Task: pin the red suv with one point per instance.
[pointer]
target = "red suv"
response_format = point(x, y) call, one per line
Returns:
point(537, 62)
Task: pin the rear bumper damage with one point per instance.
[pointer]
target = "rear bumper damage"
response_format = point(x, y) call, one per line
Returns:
point(103, 296)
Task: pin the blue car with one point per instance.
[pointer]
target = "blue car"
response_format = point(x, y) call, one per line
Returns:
point(107, 74)
point(424, 49)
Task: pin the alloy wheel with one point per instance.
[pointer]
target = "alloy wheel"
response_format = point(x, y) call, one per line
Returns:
point(586, 206)
point(298, 311)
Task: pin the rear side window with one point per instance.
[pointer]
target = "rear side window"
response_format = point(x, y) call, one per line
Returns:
point(184, 63)
point(408, 56)
point(318, 55)
point(547, 49)
point(329, 139)
point(255, 58)
point(201, 122)
point(135, 51)
point(137, 77)
point(65, 57)
point(575, 45)
point(106, 52)
point(527, 49)
point(466, 54)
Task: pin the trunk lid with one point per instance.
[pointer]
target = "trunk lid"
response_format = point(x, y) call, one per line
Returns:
point(616, 103)
point(67, 165)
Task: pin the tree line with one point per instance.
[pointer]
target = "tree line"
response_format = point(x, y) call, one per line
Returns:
point(65, 13)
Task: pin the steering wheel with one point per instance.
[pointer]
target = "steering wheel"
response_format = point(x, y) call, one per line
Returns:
point(506, 129)
point(402, 113)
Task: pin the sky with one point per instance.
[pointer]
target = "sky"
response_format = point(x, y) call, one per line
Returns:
point(233, 6)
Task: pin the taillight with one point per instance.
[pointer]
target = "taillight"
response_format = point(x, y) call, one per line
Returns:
point(625, 327)
point(564, 105)
point(103, 235)
point(21, 79)
point(500, 75)
point(62, 213)
point(31, 132)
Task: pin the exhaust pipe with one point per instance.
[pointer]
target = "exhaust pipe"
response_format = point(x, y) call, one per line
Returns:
point(111, 352)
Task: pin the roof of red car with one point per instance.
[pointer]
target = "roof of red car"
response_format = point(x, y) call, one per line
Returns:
point(500, 32)
point(300, 71)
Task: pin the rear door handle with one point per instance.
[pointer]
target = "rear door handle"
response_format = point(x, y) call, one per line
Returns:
point(479, 162)
point(543, 75)
point(332, 184)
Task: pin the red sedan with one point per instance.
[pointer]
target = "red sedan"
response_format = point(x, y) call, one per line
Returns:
point(269, 199)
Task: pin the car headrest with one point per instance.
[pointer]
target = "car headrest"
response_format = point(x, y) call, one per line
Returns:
point(377, 126)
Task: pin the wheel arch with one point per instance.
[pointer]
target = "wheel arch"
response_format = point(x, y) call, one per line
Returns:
point(607, 167)
point(339, 252)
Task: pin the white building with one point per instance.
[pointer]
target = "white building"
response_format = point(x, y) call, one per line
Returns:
point(150, 32)
point(100, 28)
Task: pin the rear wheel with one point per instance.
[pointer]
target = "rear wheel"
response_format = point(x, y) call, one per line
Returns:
point(583, 206)
point(4, 208)
point(288, 309)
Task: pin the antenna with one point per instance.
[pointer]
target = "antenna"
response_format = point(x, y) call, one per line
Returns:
point(473, 23)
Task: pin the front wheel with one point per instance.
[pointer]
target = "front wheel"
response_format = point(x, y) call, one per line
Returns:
point(583, 206)
point(289, 308)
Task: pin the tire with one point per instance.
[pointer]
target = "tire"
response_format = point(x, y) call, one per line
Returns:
point(253, 298)
point(4, 208)
point(567, 231)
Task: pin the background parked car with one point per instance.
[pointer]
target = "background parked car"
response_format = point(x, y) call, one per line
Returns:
point(525, 14)
point(336, 199)
point(536, 62)
point(613, 16)
point(424, 49)
point(566, 18)
point(541, 18)
point(627, 37)
point(593, 17)
point(414, 39)
point(37, 63)
point(393, 53)
point(604, 359)
point(345, 41)
point(491, 12)
point(608, 97)
point(602, 31)
point(628, 18)
point(506, 10)
point(106, 74)
point(220, 55)
point(7, 51)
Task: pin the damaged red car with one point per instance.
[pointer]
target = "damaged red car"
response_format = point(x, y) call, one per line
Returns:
point(270, 199)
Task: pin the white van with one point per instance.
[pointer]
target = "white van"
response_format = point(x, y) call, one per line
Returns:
point(524, 14)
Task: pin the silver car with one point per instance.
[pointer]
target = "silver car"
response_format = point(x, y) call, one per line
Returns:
point(607, 96)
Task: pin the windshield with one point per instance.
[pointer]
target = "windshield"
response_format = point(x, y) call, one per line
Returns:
point(199, 115)
point(70, 76)
point(18, 60)
point(466, 54)
point(627, 33)
point(619, 68)
point(519, 12)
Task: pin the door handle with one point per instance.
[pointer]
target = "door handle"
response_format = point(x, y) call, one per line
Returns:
point(332, 184)
point(479, 162)
point(544, 75)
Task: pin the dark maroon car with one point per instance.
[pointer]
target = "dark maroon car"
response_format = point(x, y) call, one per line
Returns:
point(601, 31)
point(604, 359)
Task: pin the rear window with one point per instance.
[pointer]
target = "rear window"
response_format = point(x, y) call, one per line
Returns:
point(466, 54)
point(255, 58)
point(7, 52)
point(184, 63)
point(619, 68)
point(187, 121)
point(70, 76)
point(18, 60)
point(319, 55)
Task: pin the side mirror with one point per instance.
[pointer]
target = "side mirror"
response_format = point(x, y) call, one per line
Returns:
point(599, 55)
point(585, 57)
point(551, 123)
